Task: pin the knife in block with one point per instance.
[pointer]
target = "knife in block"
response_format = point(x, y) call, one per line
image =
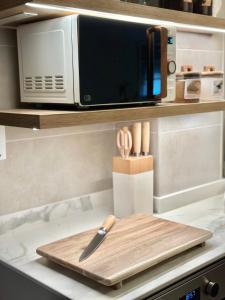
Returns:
point(145, 147)
point(136, 136)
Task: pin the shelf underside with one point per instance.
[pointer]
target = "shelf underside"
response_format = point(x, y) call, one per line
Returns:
point(15, 7)
point(43, 119)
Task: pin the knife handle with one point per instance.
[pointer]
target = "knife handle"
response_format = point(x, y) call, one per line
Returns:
point(109, 222)
point(137, 139)
point(145, 138)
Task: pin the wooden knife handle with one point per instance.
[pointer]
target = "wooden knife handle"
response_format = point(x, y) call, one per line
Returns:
point(145, 138)
point(136, 139)
point(109, 222)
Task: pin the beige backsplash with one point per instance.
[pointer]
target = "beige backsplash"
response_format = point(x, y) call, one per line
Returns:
point(199, 50)
point(52, 165)
point(48, 166)
point(219, 8)
point(9, 87)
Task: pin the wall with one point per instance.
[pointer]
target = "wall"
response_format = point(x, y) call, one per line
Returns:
point(9, 91)
point(188, 150)
point(52, 165)
point(219, 8)
point(219, 11)
point(200, 49)
point(48, 165)
point(188, 159)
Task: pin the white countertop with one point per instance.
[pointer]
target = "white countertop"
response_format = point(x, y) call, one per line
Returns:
point(22, 233)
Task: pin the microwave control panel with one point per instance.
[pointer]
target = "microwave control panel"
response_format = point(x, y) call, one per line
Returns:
point(171, 67)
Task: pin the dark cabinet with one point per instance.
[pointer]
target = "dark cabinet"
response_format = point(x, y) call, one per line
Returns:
point(196, 6)
point(203, 7)
point(16, 285)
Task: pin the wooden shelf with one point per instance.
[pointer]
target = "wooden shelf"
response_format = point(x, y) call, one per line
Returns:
point(13, 7)
point(43, 119)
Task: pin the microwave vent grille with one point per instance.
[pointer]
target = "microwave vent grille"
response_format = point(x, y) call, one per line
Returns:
point(44, 83)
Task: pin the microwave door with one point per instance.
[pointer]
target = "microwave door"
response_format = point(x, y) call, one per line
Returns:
point(113, 59)
point(157, 38)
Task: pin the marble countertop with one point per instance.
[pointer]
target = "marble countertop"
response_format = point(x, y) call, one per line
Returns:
point(22, 233)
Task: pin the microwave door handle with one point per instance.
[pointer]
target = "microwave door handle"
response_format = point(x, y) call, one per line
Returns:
point(163, 60)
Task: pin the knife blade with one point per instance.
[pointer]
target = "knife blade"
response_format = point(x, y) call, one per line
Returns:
point(98, 238)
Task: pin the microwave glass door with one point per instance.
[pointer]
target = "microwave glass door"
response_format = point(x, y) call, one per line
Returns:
point(114, 62)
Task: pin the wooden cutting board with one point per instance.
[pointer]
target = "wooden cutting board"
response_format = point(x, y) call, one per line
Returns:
point(133, 245)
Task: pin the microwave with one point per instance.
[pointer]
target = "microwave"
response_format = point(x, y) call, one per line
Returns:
point(92, 61)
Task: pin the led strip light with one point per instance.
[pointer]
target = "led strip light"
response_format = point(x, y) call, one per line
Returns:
point(124, 17)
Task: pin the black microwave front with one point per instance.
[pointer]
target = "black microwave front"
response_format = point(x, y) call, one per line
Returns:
point(92, 61)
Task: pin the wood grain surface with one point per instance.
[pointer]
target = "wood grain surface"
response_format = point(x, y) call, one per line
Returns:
point(133, 245)
point(145, 140)
point(5, 4)
point(132, 165)
point(11, 7)
point(43, 119)
point(132, 9)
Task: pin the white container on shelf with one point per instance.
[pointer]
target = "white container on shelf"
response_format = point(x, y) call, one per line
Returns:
point(207, 85)
point(212, 85)
point(133, 185)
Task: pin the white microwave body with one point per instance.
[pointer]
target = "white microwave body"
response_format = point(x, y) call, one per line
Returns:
point(50, 68)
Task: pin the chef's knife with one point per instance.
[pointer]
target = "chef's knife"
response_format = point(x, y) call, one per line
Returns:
point(145, 138)
point(98, 238)
point(136, 132)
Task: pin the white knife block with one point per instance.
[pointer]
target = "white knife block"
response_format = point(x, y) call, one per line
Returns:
point(132, 185)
